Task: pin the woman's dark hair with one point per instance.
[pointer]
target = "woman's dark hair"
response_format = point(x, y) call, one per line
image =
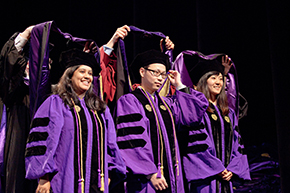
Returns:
point(222, 101)
point(66, 92)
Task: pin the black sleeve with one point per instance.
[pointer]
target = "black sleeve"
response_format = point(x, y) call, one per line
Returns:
point(186, 90)
point(12, 67)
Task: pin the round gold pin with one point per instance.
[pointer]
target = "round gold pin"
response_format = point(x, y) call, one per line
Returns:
point(227, 119)
point(78, 109)
point(163, 107)
point(214, 117)
point(148, 107)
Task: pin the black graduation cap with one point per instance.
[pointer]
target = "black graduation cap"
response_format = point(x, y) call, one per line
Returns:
point(146, 58)
point(204, 66)
point(73, 57)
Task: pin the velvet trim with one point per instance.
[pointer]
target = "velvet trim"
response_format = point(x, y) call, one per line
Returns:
point(130, 144)
point(129, 118)
point(130, 131)
point(197, 137)
point(40, 122)
point(216, 132)
point(37, 136)
point(197, 148)
point(84, 144)
point(95, 153)
point(153, 128)
point(76, 165)
point(34, 151)
point(195, 128)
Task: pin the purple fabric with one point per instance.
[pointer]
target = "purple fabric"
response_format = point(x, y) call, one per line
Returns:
point(89, 147)
point(205, 164)
point(256, 167)
point(140, 160)
point(2, 140)
point(232, 88)
point(38, 81)
point(59, 156)
point(39, 60)
point(147, 33)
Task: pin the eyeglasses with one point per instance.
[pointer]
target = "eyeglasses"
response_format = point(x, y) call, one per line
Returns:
point(157, 74)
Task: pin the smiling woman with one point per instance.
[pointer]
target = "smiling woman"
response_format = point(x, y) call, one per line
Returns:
point(82, 79)
point(213, 153)
point(72, 132)
point(211, 84)
point(215, 83)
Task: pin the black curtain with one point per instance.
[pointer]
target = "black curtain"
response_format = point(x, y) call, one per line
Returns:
point(279, 38)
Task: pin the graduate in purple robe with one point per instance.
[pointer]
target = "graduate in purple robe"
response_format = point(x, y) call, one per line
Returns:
point(187, 58)
point(72, 143)
point(213, 150)
point(146, 124)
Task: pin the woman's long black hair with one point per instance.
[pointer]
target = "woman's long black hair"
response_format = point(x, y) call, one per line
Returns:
point(65, 90)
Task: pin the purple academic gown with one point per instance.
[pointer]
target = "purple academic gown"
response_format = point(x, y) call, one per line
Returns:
point(216, 134)
point(51, 146)
point(135, 139)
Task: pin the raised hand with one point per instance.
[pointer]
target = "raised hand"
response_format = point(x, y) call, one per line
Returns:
point(168, 44)
point(227, 63)
point(174, 77)
point(121, 32)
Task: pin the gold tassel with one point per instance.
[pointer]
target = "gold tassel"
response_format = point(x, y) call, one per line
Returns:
point(102, 155)
point(101, 87)
point(177, 167)
point(77, 109)
point(83, 185)
point(162, 173)
point(102, 183)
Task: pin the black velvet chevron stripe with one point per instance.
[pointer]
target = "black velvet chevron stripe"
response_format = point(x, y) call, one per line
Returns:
point(241, 150)
point(196, 127)
point(34, 151)
point(130, 131)
point(40, 122)
point(37, 136)
point(129, 118)
point(197, 137)
point(131, 143)
point(197, 148)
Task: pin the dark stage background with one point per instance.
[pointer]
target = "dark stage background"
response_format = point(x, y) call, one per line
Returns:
point(255, 34)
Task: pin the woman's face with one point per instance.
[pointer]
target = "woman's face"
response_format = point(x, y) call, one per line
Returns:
point(215, 84)
point(82, 79)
